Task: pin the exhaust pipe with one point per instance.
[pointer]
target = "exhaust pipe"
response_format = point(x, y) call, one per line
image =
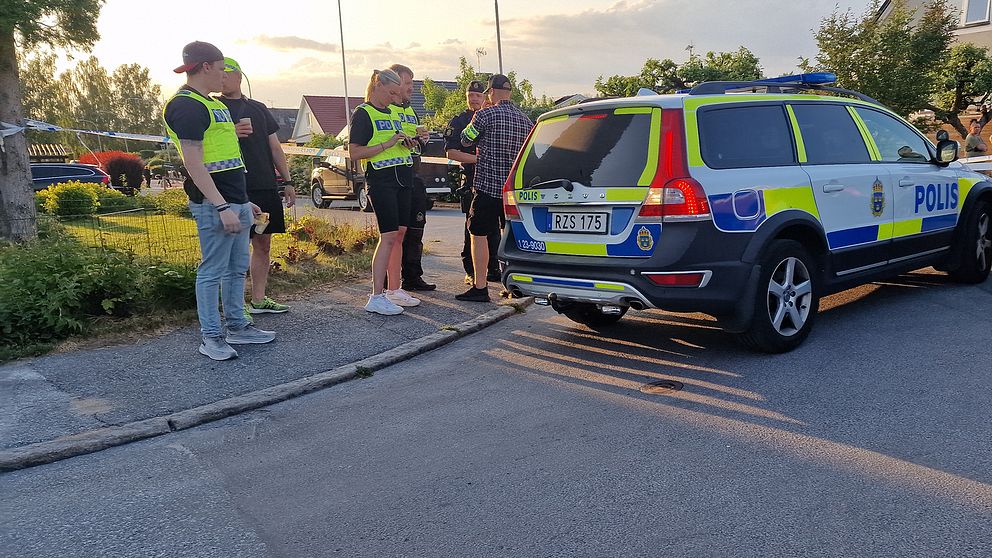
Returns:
point(636, 304)
point(611, 310)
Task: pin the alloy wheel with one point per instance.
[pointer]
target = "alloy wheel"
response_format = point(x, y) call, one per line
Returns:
point(790, 295)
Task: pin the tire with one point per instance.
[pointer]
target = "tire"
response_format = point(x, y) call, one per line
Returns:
point(317, 196)
point(590, 315)
point(430, 204)
point(363, 200)
point(976, 258)
point(786, 301)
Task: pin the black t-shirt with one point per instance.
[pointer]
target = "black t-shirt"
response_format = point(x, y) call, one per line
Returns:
point(361, 133)
point(189, 119)
point(255, 150)
point(453, 140)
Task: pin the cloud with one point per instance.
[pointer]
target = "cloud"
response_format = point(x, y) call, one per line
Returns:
point(292, 42)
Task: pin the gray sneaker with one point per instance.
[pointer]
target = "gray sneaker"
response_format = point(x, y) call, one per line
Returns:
point(249, 335)
point(217, 348)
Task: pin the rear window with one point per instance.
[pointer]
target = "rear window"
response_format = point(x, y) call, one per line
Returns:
point(741, 137)
point(598, 149)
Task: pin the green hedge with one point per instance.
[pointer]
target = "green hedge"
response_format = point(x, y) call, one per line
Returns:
point(71, 199)
point(53, 287)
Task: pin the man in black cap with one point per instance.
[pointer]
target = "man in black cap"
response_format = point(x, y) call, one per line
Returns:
point(204, 133)
point(475, 97)
point(499, 132)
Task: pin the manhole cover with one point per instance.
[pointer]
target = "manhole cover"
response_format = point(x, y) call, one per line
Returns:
point(661, 387)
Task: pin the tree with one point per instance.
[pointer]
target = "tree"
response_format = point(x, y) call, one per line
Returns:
point(906, 60)
point(666, 76)
point(31, 22)
point(447, 104)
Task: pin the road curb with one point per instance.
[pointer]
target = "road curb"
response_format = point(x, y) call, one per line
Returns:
point(96, 440)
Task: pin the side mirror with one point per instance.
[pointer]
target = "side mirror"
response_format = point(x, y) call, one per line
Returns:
point(947, 151)
point(324, 165)
point(942, 135)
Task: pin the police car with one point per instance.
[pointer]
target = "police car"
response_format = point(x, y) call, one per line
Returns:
point(748, 201)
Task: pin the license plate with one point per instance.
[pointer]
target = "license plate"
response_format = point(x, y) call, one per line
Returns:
point(579, 222)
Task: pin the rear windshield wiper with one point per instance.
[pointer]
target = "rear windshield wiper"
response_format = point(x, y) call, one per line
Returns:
point(565, 183)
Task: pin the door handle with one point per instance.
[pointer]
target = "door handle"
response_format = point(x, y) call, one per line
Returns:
point(828, 188)
point(905, 183)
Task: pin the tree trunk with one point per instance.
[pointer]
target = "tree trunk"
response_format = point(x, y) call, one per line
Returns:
point(18, 220)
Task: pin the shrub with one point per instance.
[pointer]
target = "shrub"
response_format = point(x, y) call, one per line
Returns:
point(146, 154)
point(155, 165)
point(125, 169)
point(112, 200)
point(69, 199)
point(50, 287)
point(173, 202)
point(169, 286)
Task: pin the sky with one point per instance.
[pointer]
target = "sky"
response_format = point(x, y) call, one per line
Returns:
point(290, 48)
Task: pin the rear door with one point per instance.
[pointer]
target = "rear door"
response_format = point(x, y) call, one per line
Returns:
point(581, 180)
point(926, 197)
point(853, 192)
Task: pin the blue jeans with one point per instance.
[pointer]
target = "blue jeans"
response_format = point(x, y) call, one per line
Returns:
point(222, 270)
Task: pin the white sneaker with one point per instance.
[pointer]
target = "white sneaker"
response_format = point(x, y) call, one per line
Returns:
point(402, 298)
point(381, 305)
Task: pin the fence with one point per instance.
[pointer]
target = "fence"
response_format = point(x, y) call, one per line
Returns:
point(144, 232)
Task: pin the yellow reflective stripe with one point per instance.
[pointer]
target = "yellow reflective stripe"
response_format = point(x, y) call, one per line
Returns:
point(609, 286)
point(692, 139)
point(964, 188)
point(781, 199)
point(654, 141)
point(886, 231)
point(626, 194)
point(633, 110)
point(555, 119)
point(518, 179)
point(470, 132)
point(907, 228)
point(575, 249)
point(800, 145)
point(522, 278)
point(873, 151)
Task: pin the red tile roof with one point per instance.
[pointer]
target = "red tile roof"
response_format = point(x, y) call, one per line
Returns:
point(329, 111)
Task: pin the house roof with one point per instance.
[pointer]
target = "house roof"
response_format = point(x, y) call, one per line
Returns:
point(286, 119)
point(329, 111)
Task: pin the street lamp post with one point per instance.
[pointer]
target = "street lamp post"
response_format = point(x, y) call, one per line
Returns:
point(499, 42)
point(344, 72)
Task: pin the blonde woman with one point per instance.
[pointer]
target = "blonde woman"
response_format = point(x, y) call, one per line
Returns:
point(377, 139)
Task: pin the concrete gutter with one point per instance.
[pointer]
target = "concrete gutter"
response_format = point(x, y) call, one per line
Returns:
point(104, 438)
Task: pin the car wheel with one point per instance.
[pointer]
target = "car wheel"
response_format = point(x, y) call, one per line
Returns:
point(317, 196)
point(430, 204)
point(590, 315)
point(976, 260)
point(786, 301)
point(363, 200)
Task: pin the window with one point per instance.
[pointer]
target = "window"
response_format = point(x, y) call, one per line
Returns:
point(896, 141)
point(748, 136)
point(600, 149)
point(976, 11)
point(830, 135)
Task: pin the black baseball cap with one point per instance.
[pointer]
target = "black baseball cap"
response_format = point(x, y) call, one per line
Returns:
point(475, 86)
point(499, 81)
point(198, 52)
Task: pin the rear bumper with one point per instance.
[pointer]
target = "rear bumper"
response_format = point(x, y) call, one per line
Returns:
point(689, 247)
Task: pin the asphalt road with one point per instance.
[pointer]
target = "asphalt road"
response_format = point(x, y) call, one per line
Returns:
point(533, 438)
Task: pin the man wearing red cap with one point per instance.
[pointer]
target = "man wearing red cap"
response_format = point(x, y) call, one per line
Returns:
point(203, 131)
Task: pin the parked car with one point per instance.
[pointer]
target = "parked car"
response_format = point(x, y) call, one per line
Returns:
point(44, 175)
point(340, 178)
point(744, 205)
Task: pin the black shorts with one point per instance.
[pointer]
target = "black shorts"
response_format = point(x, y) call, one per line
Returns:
point(270, 202)
point(391, 204)
point(485, 217)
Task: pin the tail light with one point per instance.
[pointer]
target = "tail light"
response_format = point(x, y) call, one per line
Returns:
point(105, 179)
point(510, 209)
point(673, 192)
point(677, 279)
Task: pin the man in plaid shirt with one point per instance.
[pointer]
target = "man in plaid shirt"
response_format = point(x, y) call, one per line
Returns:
point(499, 132)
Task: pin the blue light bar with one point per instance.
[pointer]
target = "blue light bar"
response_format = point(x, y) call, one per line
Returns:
point(816, 78)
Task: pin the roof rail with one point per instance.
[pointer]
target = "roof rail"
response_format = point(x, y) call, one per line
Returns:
point(810, 82)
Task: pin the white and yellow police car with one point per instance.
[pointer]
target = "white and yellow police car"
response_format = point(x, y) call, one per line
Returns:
point(747, 201)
